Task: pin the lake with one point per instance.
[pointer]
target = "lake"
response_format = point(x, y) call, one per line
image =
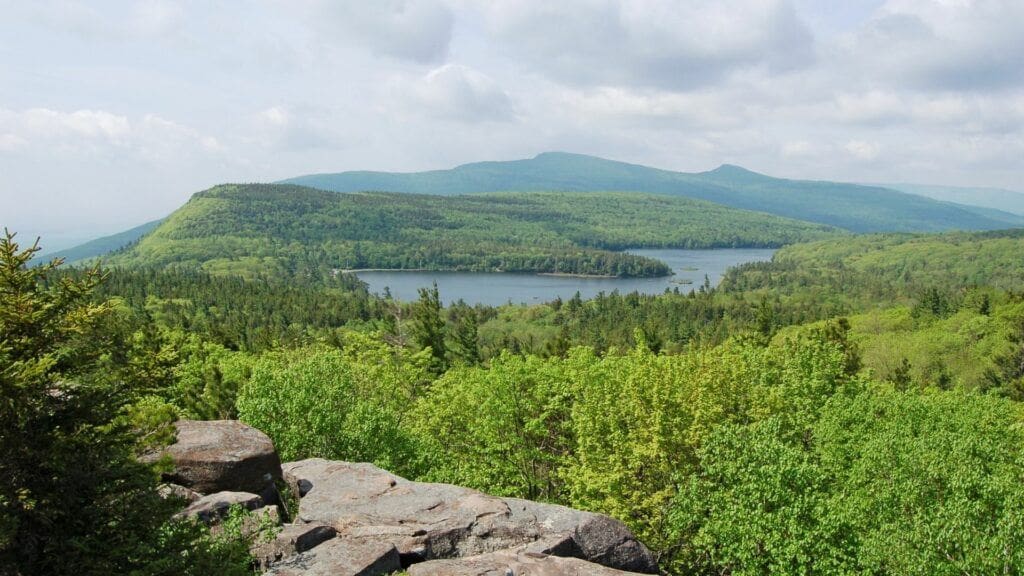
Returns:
point(495, 289)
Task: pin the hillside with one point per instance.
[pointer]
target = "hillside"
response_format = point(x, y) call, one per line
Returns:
point(994, 198)
point(881, 268)
point(850, 206)
point(104, 245)
point(260, 228)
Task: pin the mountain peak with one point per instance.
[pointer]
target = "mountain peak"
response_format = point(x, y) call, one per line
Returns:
point(732, 169)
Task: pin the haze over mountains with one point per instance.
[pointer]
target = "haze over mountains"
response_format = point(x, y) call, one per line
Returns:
point(850, 207)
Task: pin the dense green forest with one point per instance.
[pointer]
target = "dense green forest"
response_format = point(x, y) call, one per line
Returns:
point(290, 230)
point(852, 207)
point(853, 406)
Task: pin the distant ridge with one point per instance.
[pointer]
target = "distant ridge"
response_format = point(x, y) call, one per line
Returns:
point(854, 207)
point(104, 245)
point(1006, 201)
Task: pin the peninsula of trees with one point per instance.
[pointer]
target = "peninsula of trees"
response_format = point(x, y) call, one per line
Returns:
point(260, 228)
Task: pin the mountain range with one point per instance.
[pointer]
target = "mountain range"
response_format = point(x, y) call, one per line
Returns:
point(848, 207)
point(853, 207)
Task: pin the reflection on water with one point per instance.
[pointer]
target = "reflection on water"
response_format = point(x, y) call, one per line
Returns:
point(690, 267)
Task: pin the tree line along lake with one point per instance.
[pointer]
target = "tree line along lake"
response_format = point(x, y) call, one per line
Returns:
point(495, 289)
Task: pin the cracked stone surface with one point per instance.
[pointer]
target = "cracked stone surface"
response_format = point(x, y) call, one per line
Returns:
point(426, 521)
point(341, 558)
point(291, 540)
point(513, 563)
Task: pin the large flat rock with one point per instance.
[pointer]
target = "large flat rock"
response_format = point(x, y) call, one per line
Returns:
point(218, 455)
point(291, 540)
point(339, 557)
point(427, 521)
point(514, 562)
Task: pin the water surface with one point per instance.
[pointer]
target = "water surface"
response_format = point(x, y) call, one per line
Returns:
point(494, 289)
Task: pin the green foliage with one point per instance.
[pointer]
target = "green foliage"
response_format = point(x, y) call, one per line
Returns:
point(641, 418)
point(755, 507)
point(233, 312)
point(503, 429)
point(266, 230)
point(464, 341)
point(73, 498)
point(428, 327)
point(886, 483)
point(341, 404)
point(933, 269)
point(612, 433)
point(1006, 375)
point(207, 380)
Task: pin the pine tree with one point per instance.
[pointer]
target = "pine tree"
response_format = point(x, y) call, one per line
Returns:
point(465, 338)
point(428, 327)
point(73, 498)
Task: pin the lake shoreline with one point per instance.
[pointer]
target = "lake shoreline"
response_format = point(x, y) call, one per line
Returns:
point(572, 275)
point(552, 274)
point(691, 267)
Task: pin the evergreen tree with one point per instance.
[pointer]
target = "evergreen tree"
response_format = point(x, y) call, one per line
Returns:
point(465, 337)
point(1006, 375)
point(73, 498)
point(429, 328)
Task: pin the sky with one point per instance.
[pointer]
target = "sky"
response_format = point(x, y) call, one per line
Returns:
point(113, 113)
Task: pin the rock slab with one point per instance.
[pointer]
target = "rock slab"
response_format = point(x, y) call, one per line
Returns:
point(291, 540)
point(213, 507)
point(513, 563)
point(427, 521)
point(341, 558)
point(218, 455)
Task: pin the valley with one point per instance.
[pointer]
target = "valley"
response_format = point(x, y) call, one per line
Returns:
point(665, 360)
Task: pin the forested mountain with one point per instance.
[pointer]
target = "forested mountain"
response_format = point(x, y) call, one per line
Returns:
point(994, 198)
point(286, 229)
point(887, 267)
point(850, 206)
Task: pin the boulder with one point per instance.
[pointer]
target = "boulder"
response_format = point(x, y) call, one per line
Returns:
point(291, 540)
point(218, 455)
point(212, 508)
point(597, 538)
point(427, 521)
point(175, 491)
point(515, 563)
point(341, 557)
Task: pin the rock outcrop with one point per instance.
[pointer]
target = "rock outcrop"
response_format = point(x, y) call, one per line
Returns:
point(342, 558)
point(514, 562)
point(436, 521)
point(215, 506)
point(356, 519)
point(223, 455)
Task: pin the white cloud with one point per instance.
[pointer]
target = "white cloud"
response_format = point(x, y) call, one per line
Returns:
point(969, 45)
point(415, 30)
point(99, 132)
point(658, 43)
point(797, 149)
point(862, 150)
point(275, 116)
point(456, 92)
